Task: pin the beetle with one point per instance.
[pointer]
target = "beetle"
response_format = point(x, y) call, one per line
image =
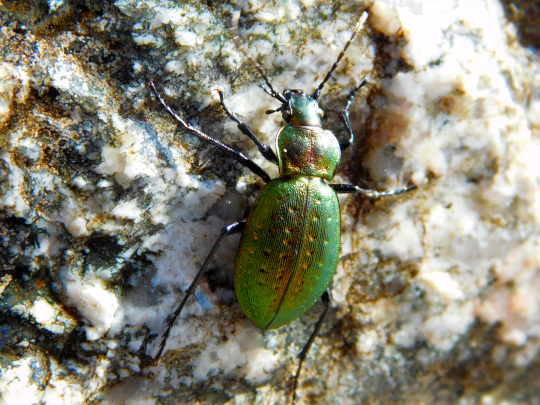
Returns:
point(290, 242)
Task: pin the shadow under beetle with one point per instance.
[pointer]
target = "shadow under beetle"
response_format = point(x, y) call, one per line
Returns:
point(290, 242)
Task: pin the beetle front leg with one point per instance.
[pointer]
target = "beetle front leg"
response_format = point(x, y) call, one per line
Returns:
point(326, 299)
point(265, 150)
point(237, 227)
point(344, 116)
point(351, 188)
point(240, 157)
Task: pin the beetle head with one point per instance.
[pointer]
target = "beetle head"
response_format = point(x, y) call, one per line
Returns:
point(300, 109)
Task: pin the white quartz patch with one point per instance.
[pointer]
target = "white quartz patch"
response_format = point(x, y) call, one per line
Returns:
point(94, 301)
point(443, 330)
point(42, 311)
point(14, 197)
point(443, 285)
point(128, 209)
point(17, 384)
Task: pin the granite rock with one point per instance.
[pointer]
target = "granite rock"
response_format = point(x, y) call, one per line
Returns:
point(108, 209)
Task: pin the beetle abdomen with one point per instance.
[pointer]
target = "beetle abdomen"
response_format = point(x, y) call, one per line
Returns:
point(289, 250)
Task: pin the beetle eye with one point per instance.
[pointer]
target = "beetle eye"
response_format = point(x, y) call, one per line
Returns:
point(286, 112)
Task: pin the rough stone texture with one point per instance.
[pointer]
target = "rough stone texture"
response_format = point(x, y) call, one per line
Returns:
point(108, 210)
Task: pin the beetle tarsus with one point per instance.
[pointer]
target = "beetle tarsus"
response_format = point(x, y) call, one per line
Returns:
point(351, 188)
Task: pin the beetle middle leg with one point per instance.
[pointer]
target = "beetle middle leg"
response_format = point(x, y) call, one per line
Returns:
point(237, 227)
point(326, 299)
point(351, 188)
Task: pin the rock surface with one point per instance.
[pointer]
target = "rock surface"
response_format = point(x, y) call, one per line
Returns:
point(107, 209)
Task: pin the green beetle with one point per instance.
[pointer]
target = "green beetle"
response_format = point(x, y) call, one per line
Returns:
point(290, 243)
point(290, 246)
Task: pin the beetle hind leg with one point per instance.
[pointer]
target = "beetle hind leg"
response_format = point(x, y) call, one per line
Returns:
point(237, 227)
point(326, 299)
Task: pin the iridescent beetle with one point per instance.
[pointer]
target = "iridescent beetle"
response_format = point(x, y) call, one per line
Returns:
point(290, 242)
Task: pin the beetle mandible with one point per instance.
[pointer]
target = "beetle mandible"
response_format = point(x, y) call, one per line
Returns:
point(290, 242)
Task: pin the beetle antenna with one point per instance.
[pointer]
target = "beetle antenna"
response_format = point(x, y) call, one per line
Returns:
point(361, 22)
point(265, 90)
point(270, 90)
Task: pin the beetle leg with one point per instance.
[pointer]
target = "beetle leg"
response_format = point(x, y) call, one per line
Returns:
point(351, 188)
point(240, 157)
point(326, 299)
point(265, 150)
point(237, 227)
point(344, 116)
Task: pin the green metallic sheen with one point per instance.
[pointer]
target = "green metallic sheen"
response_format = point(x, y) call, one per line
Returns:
point(291, 242)
point(308, 151)
point(289, 250)
point(306, 110)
